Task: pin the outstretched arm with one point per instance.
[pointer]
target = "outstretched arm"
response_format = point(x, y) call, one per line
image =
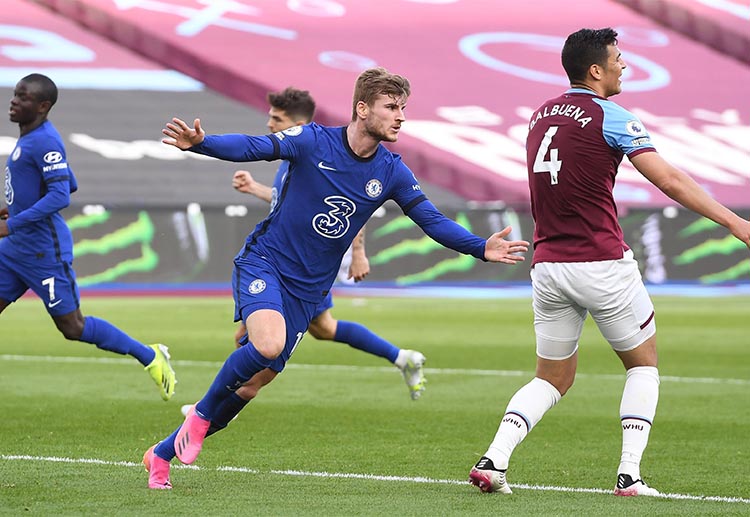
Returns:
point(243, 181)
point(230, 147)
point(683, 189)
point(452, 235)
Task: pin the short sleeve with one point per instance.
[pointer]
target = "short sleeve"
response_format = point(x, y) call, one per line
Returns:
point(623, 130)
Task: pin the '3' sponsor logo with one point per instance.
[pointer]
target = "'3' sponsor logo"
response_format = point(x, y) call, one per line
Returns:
point(334, 223)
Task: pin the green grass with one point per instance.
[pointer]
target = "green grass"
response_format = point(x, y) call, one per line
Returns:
point(338, 411)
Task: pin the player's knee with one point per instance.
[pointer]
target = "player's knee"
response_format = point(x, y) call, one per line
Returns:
point(248, 391)
point(269, 348)
point(321, 333)
point(71, 331)
point(71, 326)
point(323, 330)
point(643, 354)
point(559, 373)
point(561, 383)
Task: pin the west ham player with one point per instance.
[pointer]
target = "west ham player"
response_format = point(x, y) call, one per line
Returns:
point(337, 178)
point(581, 264)
point(36, 247)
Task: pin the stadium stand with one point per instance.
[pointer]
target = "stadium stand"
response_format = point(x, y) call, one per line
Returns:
point(113, 104)
point(476, 71)
point(722, 25)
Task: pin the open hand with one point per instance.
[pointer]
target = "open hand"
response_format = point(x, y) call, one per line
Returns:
point(498, 249)
point(182, 136)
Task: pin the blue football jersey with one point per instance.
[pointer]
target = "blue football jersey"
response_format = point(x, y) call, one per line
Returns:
point(38, 183)
point(278, 181)
point(324, 199)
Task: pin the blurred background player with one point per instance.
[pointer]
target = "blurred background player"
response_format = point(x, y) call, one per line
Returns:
point(581, 263)
point(338, 176)
point(36, 246)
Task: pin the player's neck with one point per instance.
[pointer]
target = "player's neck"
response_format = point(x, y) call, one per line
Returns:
point(585, 87)
point(25, 129)
point(360, 141)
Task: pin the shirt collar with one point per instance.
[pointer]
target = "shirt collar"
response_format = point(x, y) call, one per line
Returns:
point(582, 90)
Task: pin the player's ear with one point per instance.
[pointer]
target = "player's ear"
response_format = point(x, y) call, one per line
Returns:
point(362, 109)
point(595, 71)
point(44, 107)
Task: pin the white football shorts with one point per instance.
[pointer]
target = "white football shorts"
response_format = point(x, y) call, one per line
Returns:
point(611, 290)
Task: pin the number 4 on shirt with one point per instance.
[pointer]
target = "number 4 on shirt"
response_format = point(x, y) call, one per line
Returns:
point(553, 165)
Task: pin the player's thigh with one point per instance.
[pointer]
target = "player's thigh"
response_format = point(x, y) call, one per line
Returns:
point(254, 283)
point(260, 307)
point(558, 320)
point(623, 311)
point(275, 320)
point(297, 315)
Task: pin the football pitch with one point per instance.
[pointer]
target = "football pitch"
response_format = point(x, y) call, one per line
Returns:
point(337, 433)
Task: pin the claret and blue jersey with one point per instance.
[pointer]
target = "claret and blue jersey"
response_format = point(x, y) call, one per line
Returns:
point(576, 143)
point(333, 192)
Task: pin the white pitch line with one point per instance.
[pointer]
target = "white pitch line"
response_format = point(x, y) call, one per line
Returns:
point(368, 477)
point(349, 368)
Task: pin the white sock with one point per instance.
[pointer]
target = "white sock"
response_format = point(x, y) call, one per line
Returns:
point(637, 410)
point(401, 359)
point(524, 411)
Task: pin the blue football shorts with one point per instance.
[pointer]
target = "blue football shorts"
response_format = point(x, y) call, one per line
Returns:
point(323, 306)
point(256, 286)
point(52, 280)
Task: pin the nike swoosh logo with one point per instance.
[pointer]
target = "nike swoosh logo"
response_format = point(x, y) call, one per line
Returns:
point(325, 167)
point(52, 304)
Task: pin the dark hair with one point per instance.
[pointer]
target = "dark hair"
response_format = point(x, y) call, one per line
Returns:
point(295, 103)
point(47, 88)
point(584, 48)
point(378, 81)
